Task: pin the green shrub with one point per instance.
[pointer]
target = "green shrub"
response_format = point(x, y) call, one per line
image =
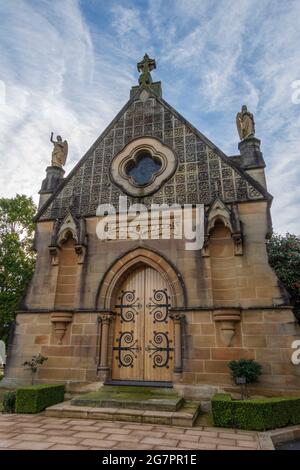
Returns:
point(36, 398)
point(9, 402)
point(247, 368)
point(255, 414)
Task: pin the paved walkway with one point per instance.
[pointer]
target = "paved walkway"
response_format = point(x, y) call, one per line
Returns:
point(35, 432)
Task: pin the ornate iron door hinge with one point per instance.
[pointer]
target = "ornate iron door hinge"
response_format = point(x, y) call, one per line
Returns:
point(127, 349)
point(160, 349)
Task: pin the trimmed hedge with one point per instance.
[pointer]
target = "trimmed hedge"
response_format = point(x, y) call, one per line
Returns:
point(255, 414)
point(36, 398)
point(9, 402)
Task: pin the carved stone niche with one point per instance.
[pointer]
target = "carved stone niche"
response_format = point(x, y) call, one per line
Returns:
point(227, 320)
point(73, 227)
point(61, 321)
point(229, 216)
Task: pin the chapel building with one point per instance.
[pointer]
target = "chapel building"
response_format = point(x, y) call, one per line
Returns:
point(148, 310)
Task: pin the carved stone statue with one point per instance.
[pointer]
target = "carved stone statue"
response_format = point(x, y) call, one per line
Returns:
point(60, 151)
point(245, 123)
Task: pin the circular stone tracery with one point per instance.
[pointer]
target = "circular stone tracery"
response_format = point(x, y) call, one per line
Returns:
point(143, 166)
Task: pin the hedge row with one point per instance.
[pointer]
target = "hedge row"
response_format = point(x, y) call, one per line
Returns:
point(38, 397)
point(255, 414)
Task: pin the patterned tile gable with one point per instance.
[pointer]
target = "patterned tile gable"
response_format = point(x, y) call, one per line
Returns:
point(203, 173)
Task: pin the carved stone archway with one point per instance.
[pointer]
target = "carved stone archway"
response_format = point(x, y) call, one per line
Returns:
point(118, 270)
point(109, 288)
point(229, 217)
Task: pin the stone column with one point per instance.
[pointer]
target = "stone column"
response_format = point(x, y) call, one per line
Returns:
point(177, 319)
point(105, 319)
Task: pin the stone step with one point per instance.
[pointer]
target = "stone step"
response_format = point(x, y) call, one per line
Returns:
point(154, 404)
point(131, 397)
point(78, 388)
point(187, 416)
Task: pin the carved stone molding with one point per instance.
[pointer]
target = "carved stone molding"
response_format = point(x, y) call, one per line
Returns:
point(61, 321)
point(177, 317)
point(106, 317)
point(80, 250)
point(53, 251)
point(229, 216)
point(62, 230)
point(227, 320)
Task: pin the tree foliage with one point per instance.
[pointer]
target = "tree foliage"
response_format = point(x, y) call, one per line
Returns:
point(284, 257)
point(16, 256)
point(246, 368)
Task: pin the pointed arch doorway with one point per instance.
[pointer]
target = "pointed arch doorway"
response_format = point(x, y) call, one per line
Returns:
point(143, 342)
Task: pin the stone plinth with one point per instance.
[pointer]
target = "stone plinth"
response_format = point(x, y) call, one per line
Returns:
point(251, 155)
point(54, 176)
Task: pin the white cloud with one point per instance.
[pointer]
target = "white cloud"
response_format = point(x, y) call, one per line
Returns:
point(70, 74)
point(48, 63)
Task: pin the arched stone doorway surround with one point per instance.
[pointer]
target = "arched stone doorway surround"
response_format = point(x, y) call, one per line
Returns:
point(107, 296)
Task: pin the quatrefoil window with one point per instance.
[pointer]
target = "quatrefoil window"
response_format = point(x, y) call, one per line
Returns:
point(143, 168)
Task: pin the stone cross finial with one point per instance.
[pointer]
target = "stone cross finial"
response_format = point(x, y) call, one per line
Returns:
point(145, 67)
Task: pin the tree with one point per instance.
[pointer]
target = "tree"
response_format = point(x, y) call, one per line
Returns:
point(16, 255)
point(34, 364)
point(284, 257)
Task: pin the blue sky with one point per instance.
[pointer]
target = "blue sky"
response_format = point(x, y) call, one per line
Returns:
point(68, 65)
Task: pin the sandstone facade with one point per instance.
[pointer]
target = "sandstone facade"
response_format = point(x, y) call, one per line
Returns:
point(224, 300)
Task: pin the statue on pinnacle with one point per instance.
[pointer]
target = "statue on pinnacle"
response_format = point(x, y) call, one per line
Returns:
point(60, 151)
point(245, 123)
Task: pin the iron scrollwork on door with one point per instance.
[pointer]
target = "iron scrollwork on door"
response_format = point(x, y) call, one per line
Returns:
point(127, 349)
point(128, 306)
point(159, 306)
point(160, 349)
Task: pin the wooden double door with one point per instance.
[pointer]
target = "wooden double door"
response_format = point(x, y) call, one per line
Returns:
point(143, 342)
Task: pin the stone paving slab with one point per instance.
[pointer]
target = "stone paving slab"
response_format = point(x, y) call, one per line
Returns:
point(40, 432)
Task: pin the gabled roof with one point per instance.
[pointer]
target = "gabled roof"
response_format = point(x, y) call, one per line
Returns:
point(67, 193)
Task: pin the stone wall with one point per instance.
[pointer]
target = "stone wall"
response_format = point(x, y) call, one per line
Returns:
point(233, 306)
point(221, 279)
point(265, 335)
point(75, 360)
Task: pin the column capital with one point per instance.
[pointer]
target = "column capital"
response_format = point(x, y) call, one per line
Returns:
point(105, 317)
point(177, 316)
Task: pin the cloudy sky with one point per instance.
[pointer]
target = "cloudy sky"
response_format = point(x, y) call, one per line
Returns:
point(67, 66)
